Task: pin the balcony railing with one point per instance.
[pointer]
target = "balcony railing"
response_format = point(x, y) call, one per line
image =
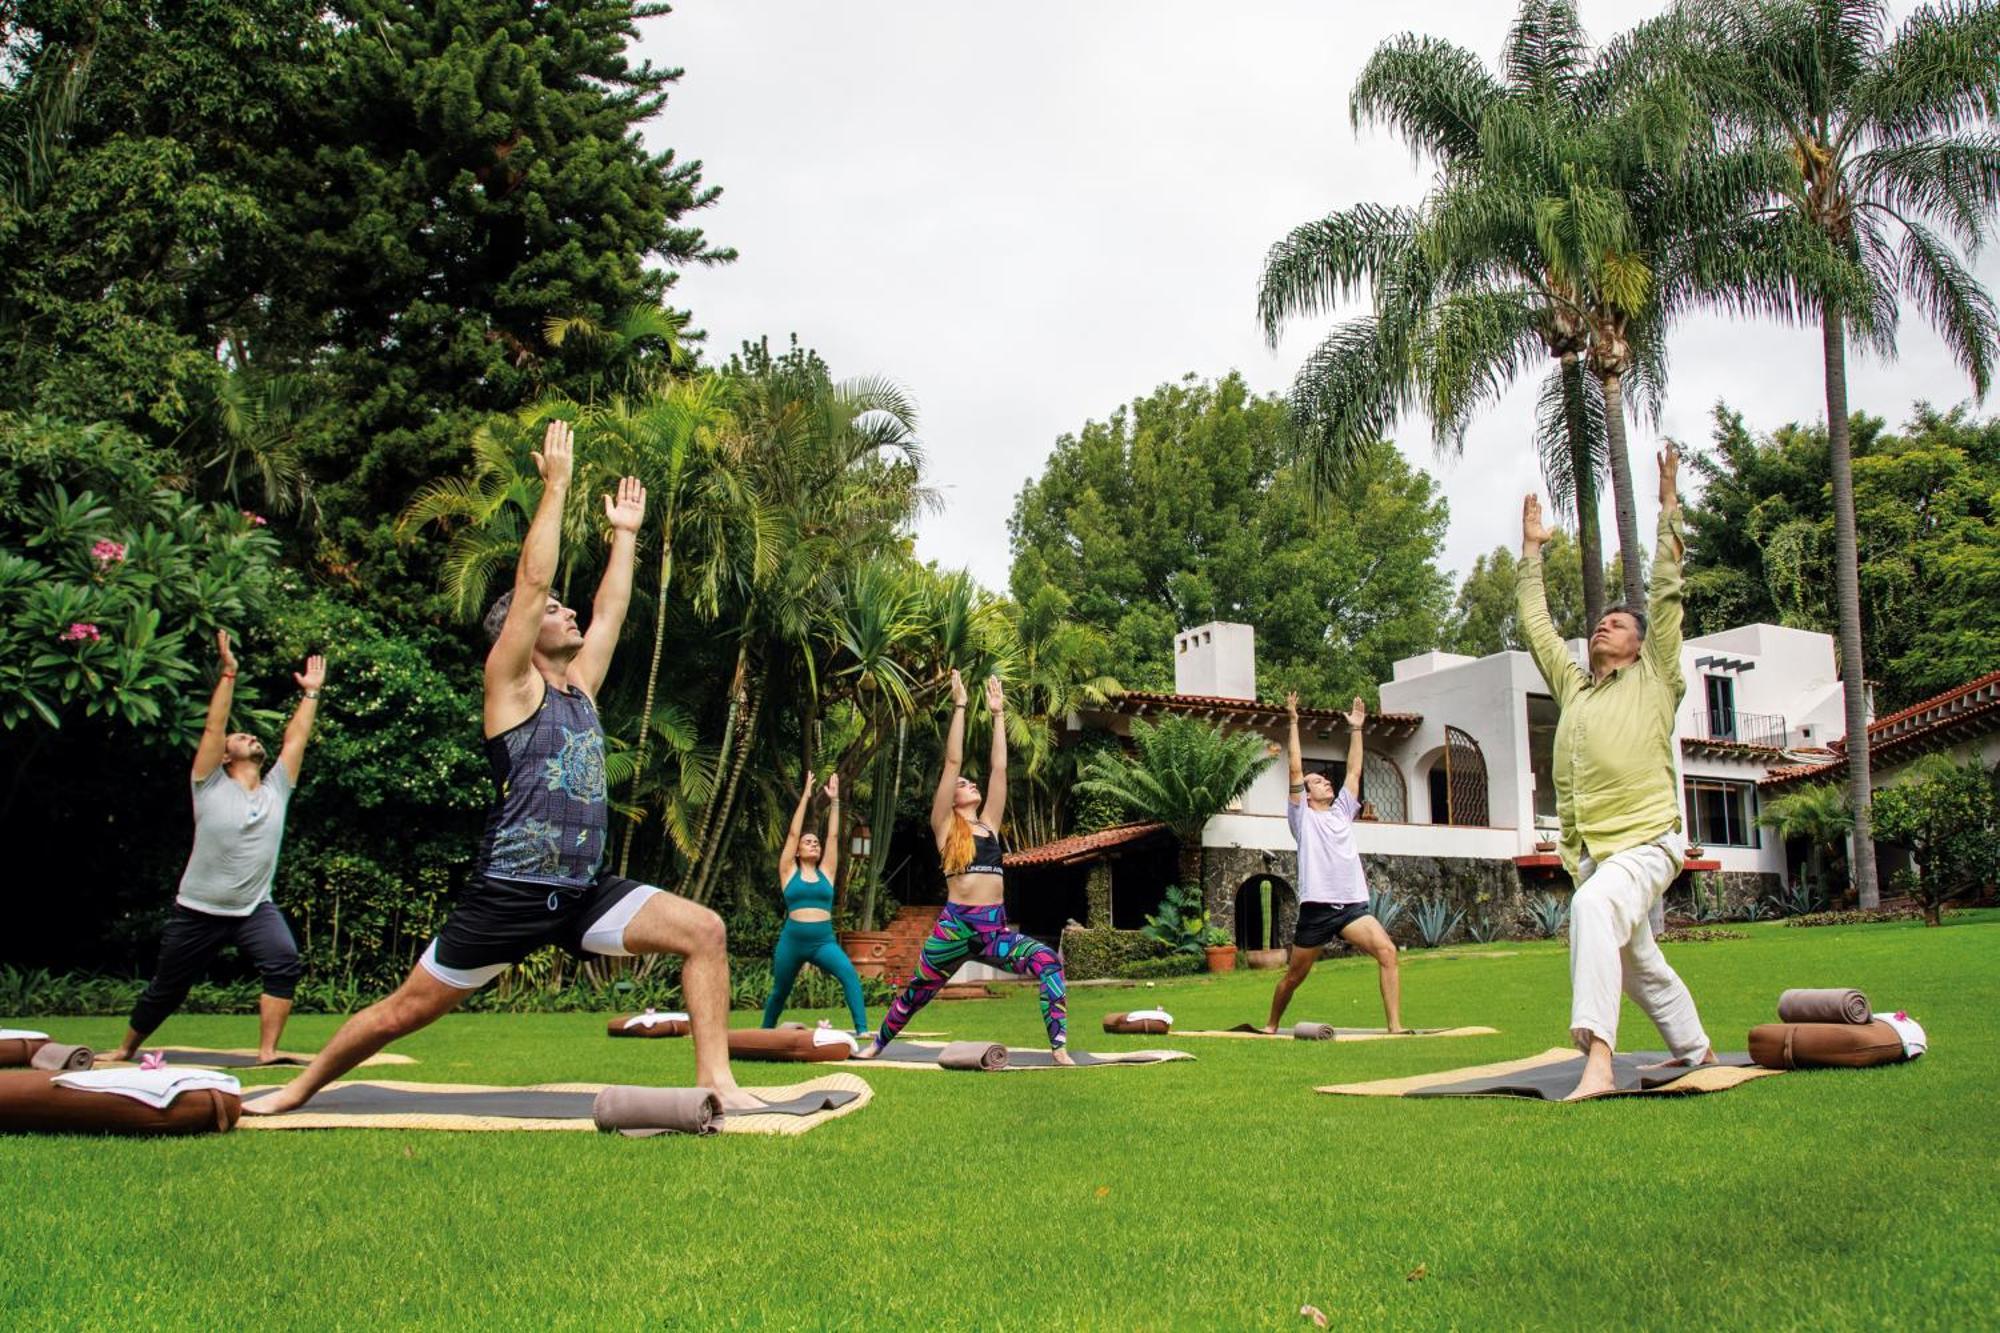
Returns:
point(1740, 728)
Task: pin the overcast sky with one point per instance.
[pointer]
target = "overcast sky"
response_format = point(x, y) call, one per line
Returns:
point(1029, 214)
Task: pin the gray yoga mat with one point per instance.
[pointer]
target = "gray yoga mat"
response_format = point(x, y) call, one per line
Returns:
point(1309, 1031)
point(229, 1059)
point(1553, 1082)
point(511, 1104)
point(909, 1053)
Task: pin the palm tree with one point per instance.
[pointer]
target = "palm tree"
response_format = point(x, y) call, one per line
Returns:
point(1448, 333)
point(1891, 159)
point(1185, 773)
point(1819, 814)
point(1056, 670)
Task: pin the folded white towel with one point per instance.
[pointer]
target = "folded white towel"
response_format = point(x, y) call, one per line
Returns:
point(157, 1088)
point(824, 1035)
point(22, 1034)
point(1160, 1014)
point(1914, 1041)
point(651, 1019)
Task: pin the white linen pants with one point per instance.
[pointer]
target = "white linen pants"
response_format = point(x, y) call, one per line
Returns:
point(1611, 949)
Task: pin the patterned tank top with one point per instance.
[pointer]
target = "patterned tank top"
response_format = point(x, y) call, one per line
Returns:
point(551, 814)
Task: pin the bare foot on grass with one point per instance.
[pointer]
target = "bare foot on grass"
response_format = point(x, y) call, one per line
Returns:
point(1062, 1057)
point(277, 1103)
point(868, 1052)
point(1591, 1085)
point(735, 1099)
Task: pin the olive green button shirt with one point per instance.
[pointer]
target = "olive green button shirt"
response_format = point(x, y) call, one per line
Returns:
point(1614, 752)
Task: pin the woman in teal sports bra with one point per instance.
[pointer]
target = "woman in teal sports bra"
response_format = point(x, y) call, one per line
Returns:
point(805, 867)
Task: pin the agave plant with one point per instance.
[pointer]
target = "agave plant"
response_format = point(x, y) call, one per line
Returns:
point(1385, 908)
point(1435, 920)
point(1549, 912)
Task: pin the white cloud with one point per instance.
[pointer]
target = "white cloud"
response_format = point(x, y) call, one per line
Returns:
point(1029, 214)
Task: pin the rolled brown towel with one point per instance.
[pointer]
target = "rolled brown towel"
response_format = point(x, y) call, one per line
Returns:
point(1825, 1045)
point(981, 1055)
point(1127, 1025)
point(1824, 1006)
point(642, 1112)
point(19, 1052)
point(648, 1025)
point(55, 1057)
point(1313, 1031)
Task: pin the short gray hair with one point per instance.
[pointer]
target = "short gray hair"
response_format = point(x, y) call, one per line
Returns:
point(1625, 609)
point(496, 616)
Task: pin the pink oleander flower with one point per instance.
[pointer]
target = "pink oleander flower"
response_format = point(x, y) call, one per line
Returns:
point(153, 1060)
point(80, 632)
point(109, 552)
point(255, 520)
point(1902, 1017)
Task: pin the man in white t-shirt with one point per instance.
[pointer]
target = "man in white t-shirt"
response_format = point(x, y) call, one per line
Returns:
point(225, 893)
point(1333, 893)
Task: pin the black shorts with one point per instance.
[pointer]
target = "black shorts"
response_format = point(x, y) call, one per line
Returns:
point(1321, 923)
point(498, 922)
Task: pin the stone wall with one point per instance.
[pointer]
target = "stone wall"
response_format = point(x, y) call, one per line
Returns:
point(1475, 886)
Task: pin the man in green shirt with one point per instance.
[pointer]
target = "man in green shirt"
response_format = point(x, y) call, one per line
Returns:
point(1617, 794)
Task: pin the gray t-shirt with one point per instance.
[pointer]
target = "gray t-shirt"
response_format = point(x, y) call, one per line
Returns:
point(236, 837)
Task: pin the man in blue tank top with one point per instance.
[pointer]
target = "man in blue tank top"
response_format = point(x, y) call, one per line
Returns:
point(539, 876)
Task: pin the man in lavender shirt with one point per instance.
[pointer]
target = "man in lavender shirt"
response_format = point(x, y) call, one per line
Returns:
point(1333, 893)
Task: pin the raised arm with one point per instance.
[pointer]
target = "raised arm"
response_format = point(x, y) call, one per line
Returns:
point(510, 667)
point(829, 846)
point(996, 771)
point(954, 759)
point(1293, 753)
point(1663, 598)
point(1357, 718)
point(788, 859)
point(625, 512)
point(215, 730)
point(293, 752)
point(1531, 606)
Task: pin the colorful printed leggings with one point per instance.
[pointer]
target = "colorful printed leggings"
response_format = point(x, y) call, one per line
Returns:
point(963, 932)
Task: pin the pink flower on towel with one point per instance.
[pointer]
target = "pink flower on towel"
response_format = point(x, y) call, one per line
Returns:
point(1902, 1017)
point(153, 1060)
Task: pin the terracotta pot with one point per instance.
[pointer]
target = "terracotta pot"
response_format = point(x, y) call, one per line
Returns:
point(1221, 958)
point(1264, 957)
point(868, 950)
point(1545, 847)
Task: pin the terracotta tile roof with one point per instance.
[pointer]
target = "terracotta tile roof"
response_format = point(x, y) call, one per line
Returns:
point(1082, 847)
point(1140, 701)
point(1971, 708)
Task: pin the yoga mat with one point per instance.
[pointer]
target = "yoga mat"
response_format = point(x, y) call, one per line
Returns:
point(1293, 1033)
point(56, 1057)
point(1840, 1005)
point(244, 1057)
point(1552, 1075)
point(925, 1055)
point(381, 1104)
point(984, 1056)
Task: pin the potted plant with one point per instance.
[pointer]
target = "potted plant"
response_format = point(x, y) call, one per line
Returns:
point(867, 949)
point(1219, 948)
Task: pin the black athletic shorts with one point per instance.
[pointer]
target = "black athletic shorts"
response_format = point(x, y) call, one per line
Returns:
point(1321, 923)
point(497, 922)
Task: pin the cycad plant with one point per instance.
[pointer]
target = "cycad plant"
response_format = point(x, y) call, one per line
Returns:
point(1183, 773)
point(1819, 814)
point(1891, 168)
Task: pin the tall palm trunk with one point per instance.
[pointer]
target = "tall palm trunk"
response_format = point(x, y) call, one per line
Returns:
point(884, 817)
point(1622, 500)
point(1583, 470)
point(720, 833)
point(1847, 586)
point(691, 876)
point(652, 673)
point(1190, 861)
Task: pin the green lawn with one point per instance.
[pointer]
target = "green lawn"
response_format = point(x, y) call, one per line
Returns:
point(1221, 1193)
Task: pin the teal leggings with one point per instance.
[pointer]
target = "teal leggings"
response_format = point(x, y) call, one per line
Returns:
point(803, 942)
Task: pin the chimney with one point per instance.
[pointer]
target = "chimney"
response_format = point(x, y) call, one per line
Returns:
point(1217, 659)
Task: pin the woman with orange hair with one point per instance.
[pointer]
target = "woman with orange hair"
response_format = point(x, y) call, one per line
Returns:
point(973, 923)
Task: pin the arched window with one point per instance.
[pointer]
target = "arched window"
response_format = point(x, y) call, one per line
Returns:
point(1382, 788)
point(1464, 780)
